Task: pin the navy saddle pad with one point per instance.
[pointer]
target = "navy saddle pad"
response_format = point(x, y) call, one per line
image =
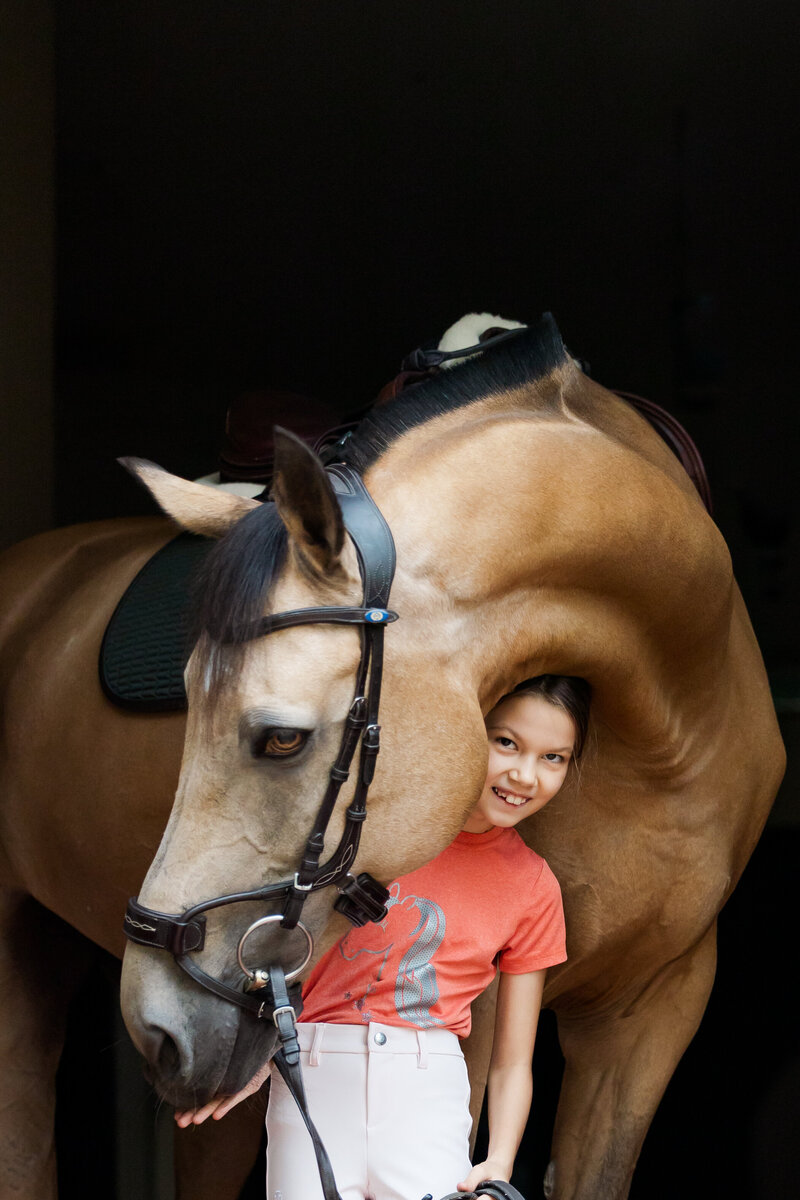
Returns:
point(146, 644)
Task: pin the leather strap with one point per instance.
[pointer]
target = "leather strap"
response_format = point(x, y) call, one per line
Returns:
point(178, 934)
point(254, 1002)
point(373, 539)
point(315, 616)
point(376, 557)
point(497, 1189)
point(680, 443)
point(423, 360)
point(287, 1060)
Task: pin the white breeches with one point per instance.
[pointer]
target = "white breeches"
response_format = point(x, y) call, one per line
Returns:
point(391, 1106)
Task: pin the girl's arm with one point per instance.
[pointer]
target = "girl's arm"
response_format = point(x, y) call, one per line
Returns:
point(510, 1081)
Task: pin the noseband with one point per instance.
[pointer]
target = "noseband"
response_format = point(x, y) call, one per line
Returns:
point(361, 898)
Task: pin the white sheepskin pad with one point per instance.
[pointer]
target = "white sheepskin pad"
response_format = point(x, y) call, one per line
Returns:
point(468, 330)
point(248, 490)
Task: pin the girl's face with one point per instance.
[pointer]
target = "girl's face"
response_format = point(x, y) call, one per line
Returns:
point(530, 746)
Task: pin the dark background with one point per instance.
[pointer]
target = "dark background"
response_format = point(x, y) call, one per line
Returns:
point(284, 194)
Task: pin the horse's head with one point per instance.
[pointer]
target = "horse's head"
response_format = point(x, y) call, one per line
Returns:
point(266, 721)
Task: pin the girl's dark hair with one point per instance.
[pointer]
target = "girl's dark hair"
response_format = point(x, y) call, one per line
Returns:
point(569, 692)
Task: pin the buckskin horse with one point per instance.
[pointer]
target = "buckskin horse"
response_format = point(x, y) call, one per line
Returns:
point(540, 525)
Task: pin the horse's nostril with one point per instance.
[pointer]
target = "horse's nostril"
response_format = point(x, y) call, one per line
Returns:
point(161, 1052)
point(168, 1060)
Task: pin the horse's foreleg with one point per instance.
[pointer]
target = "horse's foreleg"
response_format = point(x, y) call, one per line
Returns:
point(42, 961)
point(617, 1067)
point(478, 1050)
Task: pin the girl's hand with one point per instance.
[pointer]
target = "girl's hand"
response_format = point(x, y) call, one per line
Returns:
point(220, 1105)
point(491, 1169)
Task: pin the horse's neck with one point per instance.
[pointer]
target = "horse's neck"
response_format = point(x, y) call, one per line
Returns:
point(530, 541)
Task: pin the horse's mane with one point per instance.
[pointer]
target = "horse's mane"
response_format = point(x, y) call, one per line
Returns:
point(234, 584)
point(530, 355)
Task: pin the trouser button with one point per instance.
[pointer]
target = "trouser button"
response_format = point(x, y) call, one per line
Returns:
point(379, 1039)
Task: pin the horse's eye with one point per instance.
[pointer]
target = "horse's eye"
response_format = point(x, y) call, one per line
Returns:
point(282, 743)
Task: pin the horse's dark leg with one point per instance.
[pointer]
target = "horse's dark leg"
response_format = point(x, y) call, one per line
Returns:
point(618, 1063)
point(42, 962)
point(213, 1160)
point(478, 1050)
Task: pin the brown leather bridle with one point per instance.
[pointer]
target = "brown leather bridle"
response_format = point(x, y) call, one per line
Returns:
point(361, 898)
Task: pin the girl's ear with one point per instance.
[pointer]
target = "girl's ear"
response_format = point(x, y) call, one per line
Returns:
point(307, 503)
point(195, 506)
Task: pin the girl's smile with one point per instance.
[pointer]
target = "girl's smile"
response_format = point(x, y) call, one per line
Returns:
point(511, 797)
point(531, 742)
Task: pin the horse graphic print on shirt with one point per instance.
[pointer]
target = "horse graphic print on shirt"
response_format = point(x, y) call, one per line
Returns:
point(486, 902)
point(415, 988)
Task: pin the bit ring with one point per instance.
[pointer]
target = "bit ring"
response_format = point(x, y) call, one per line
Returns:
point(273, 919)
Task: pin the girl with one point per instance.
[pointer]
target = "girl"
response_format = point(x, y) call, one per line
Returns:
point(383, 1011)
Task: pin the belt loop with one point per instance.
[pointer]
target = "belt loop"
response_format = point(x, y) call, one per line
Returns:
point(422, 1050)
point(316, 1045)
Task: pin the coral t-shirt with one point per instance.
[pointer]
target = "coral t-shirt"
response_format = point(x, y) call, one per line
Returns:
point(488, 900)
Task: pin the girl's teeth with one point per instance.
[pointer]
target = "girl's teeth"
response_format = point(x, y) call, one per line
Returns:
point(517, 801)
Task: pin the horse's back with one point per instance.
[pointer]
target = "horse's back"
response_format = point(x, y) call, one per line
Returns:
point(85, 787)
point(37, 574)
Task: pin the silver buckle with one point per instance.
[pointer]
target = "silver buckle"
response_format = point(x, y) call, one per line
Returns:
point(286, 1008)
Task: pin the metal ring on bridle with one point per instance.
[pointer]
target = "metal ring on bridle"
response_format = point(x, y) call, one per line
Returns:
point(275, 919)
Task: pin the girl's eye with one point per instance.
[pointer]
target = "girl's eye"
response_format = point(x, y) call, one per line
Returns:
point(506, 743)
point(554, 758)
point(283, 743)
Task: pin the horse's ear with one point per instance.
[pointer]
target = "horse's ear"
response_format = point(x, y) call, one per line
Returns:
point(195, 506)
point(306, 502)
